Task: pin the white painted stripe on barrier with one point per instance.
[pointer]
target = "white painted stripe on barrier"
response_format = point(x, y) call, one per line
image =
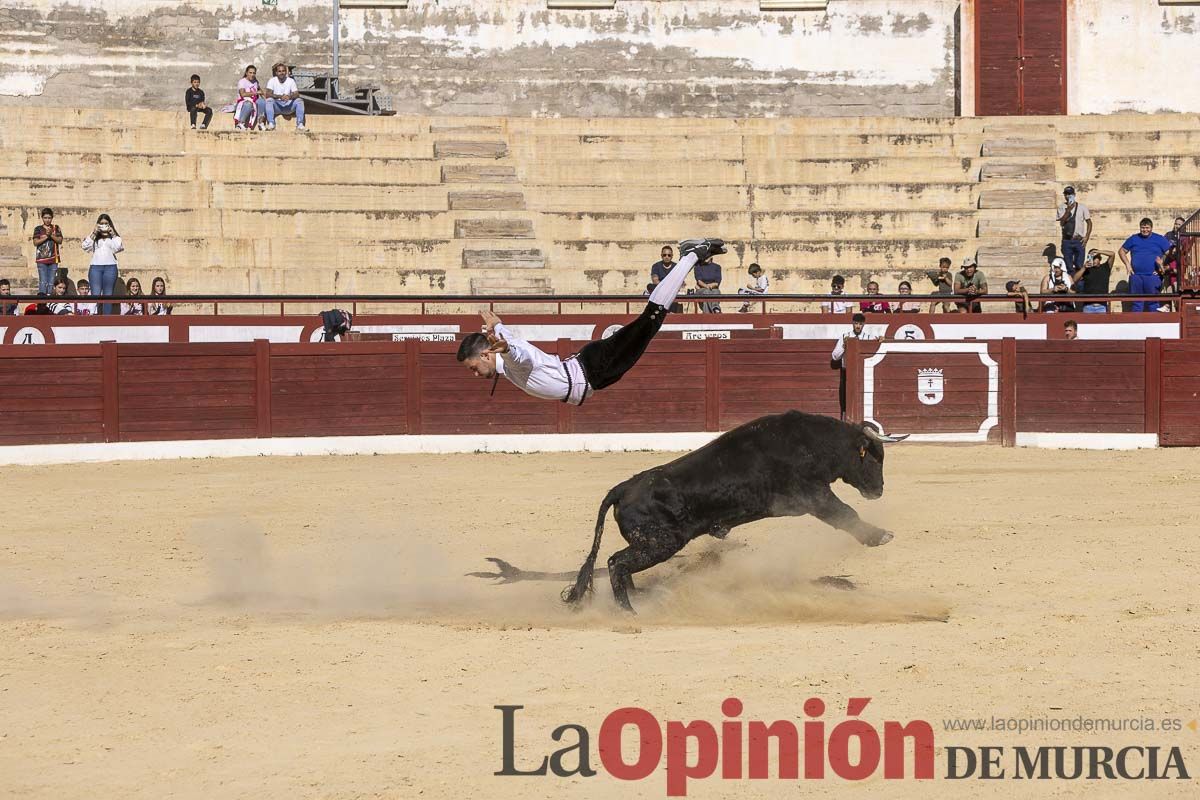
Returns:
point(1088, 441)
point(988, 330)
point(277, 334)
point(74, 334)
point(1128, 330)
point(29, 455)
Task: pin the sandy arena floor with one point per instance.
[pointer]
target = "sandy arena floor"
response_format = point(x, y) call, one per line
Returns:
point(294, 628)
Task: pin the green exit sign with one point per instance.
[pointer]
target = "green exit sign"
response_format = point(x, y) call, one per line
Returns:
point(270, 2)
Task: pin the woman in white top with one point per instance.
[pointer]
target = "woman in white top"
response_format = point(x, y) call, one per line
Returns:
point(103, 243)
point(158, 288)
point(133, 288)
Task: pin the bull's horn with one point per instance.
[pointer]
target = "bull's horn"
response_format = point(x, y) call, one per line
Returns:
point(872, 433)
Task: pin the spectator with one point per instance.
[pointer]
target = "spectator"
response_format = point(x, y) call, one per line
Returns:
point(970, 283)
point(756, 287)
point(60, 304)
point(104, 243)
point(659, 270)
point(7, 309)
point(1171, 261)
point(1094, 278)
point(36, 309)
point(158, 288)
point(943, 283)
point(1023, 305)
point(1070, 329)
point(85, 309)
point(836, 287)
point(1143, 256)
point(1056, 281)
point(250, 107)
point(193, 99)
point(1076, 225)
point(875, 306)
point(283, 98)
point(907, 306)
point(133, 288)
point(838, 358)
point(47, 250)
point(708, 281)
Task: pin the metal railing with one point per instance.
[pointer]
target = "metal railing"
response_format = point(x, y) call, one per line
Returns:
point(1189, 259)
point(758, 303)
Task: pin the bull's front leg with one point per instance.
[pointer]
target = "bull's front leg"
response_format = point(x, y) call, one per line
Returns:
point(825, 506)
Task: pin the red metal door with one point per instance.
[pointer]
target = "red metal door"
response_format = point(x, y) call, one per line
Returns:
point(1020, 64)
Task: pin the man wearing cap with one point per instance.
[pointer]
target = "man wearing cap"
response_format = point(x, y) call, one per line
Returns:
point(1056, 281)
point(1143, 256)
point(970, 283)
point(1094, 278)
point(1023, 304)
point(1076, 223)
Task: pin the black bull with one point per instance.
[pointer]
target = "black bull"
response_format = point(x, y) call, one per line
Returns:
point(775, 466)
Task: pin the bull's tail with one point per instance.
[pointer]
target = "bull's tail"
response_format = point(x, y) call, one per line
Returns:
point(583, 582)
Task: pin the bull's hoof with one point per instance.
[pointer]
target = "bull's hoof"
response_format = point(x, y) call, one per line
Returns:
point(719, 533)
point(882, 538)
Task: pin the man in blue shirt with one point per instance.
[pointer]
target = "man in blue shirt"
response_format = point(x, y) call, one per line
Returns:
point(1146, 249)
point(708, 281)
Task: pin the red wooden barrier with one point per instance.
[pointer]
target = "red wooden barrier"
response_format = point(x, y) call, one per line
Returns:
point(132, 392)
point(1081, 386)
point(1179, 418)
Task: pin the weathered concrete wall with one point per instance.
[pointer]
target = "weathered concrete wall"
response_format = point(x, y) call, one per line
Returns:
point(500, 57)
point(1132, 55)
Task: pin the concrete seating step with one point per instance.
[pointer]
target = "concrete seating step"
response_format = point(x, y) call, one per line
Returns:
point(503, 259)
point(486, 200)
point(493, 229)
point(1033, 171)
point(876, 169)
point(502, 283)
point(1132, 168)
point(1016, 198)
point(470, 149)
point(1018, 146)
point(478, 173)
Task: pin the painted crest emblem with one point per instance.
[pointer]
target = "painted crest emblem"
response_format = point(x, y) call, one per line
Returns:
point(930, 384)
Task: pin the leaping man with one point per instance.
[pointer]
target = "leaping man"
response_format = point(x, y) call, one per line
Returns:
point(498, 351)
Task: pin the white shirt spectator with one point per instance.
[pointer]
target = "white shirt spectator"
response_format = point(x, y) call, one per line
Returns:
point(85, 309)
point(133, 309)
point(760, 285)
point(279, 88)
point(62, 308)
point(839, 349)
point(104, 250)
point(837, 306)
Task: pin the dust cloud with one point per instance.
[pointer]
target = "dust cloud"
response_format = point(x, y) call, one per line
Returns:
point(759, 578)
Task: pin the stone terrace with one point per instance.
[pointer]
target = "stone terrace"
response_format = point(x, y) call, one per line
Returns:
point(487, 206)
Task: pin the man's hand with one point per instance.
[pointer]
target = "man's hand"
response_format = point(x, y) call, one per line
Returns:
point(490, 321)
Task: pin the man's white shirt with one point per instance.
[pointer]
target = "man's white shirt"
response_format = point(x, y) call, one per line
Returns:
point(279, 88)
point(538, 373)
point(839, 349)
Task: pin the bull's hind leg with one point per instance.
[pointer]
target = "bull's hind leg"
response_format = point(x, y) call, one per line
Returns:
point(825, 506)
point(636, 558)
